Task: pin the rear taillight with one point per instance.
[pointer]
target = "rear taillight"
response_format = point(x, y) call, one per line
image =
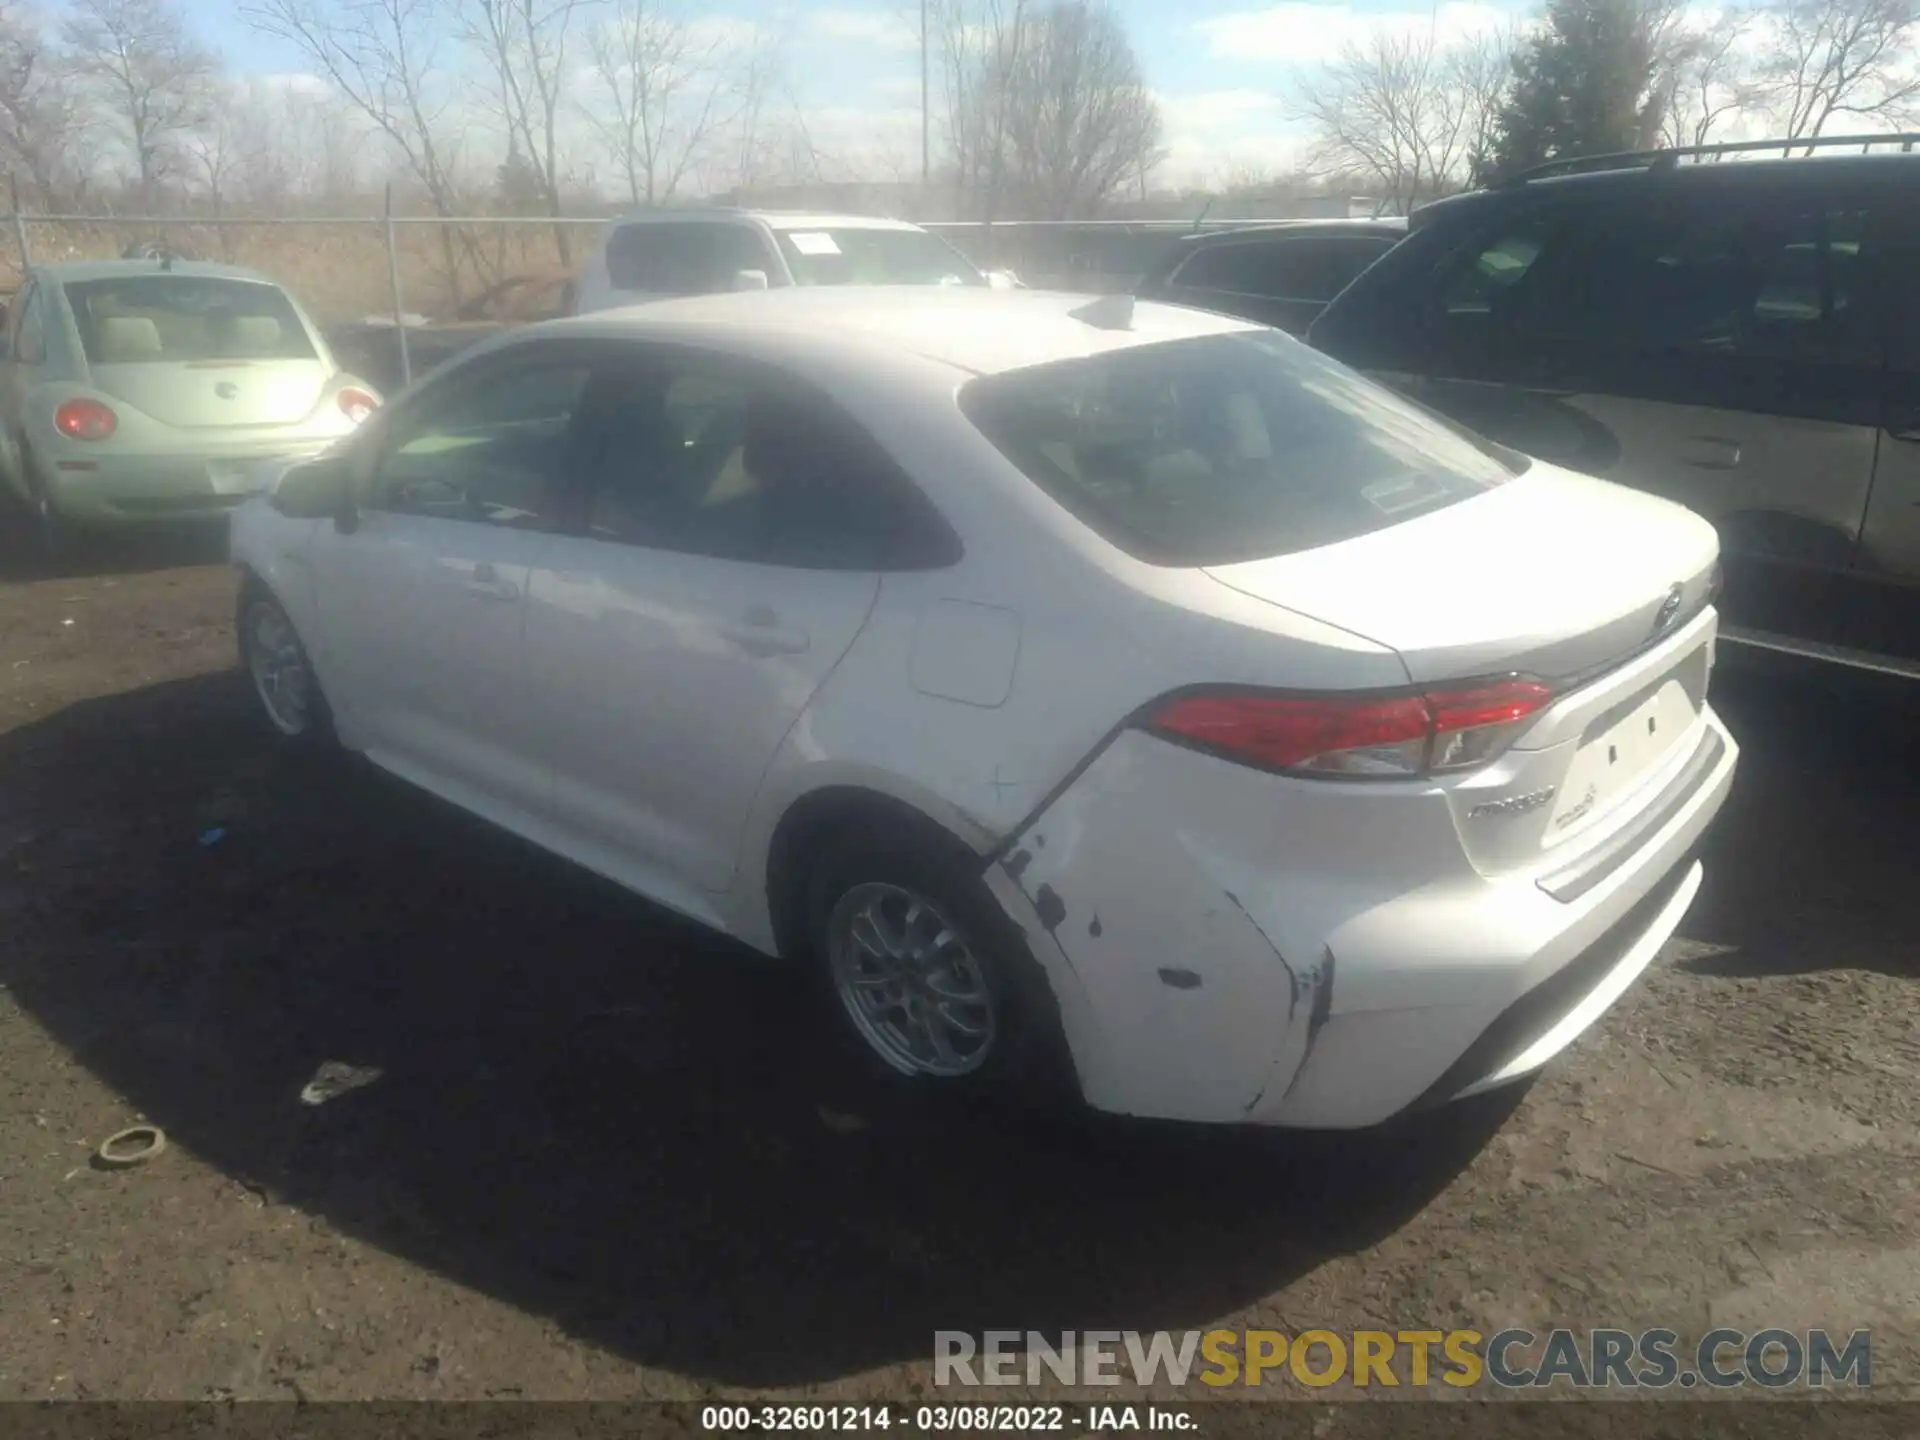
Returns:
point(1358, 735)
point(357, 405)
point(85, 420)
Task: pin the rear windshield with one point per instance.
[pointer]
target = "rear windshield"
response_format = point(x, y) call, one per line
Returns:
point(1226, 448)
point(163, 319)
point(855, 256)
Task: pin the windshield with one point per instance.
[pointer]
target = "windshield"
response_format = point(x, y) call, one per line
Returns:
point(162, 319)
point(1228, 448)
point(858, 256)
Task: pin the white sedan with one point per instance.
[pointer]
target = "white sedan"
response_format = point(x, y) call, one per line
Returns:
point(1095, 695)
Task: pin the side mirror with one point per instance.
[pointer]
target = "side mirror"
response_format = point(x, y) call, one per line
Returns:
point(749, 279)
point(1003, 280)
point(316, 489)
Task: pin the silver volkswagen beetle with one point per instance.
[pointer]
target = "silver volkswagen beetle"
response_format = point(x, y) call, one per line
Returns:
point(144, 390)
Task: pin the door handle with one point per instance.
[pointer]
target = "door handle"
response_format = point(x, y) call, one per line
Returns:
point(1711, 452)
point(761, 635)
point(485, 584)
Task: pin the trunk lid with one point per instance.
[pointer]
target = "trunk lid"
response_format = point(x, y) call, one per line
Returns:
point(1553, 574)
point(217, 393)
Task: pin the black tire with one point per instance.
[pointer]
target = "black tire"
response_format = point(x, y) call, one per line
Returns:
point(318, 732)
point(1027, 1061)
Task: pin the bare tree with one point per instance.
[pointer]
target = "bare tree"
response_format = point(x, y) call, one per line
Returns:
point(43, 120)
point(151, 77)
point(526, 45)
point(1840, 57)
point(981, 46)
point(1710, 77)
point(1406, 112)
point(222, 145)
point(665, 88)
point(381, 56)
point(1081, 120)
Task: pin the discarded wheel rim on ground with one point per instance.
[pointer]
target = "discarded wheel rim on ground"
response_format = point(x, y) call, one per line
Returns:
point(133, 1146)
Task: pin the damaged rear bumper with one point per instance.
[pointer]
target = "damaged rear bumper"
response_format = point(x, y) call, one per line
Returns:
point(1230, 946)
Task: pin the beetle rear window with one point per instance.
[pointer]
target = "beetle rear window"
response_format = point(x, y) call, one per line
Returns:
point(157, 319)
point(1226, 448)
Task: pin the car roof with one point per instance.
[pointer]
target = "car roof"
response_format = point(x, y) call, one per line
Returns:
point(1873, 169)
point(976, 330)
point(773, 219)
point(65, 271)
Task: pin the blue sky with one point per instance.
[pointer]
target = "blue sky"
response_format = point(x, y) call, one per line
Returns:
point(1221, 68)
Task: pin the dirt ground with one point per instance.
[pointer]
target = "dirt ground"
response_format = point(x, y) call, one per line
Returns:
point(604, 1160)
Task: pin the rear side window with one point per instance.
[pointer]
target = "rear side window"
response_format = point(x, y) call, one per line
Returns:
point(682, 257)
point(689, 454)
point(158, 319)
point(1226, 448)
point(853, 255)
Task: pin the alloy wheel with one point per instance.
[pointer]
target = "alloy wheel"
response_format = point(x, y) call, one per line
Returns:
point(910, 983)
point(279, 668)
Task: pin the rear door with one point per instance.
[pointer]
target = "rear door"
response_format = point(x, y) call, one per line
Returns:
point(1720, 349)
point(735, 531)
point(1279, 280)
point(1882, 616)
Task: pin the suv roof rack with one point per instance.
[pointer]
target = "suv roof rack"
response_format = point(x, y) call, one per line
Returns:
point(1670, 158)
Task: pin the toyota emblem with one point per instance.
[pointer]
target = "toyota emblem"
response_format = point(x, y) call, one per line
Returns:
point(226, 390)
point(1669, 608)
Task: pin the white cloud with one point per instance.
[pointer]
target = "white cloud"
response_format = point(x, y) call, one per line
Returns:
point(1219, 109)
point(1299, 32)
point(882, 28)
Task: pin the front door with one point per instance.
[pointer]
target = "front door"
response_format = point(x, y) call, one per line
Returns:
point(736, 529)
point(423, 601)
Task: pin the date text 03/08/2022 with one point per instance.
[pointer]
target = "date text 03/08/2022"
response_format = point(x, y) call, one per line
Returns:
point(946, 1419)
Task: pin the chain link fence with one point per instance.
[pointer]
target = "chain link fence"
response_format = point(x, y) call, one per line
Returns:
point(357, 275)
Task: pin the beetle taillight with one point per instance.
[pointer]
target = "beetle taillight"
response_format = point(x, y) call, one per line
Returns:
point(357, 405)
point(85, 420)
point(1358, 735)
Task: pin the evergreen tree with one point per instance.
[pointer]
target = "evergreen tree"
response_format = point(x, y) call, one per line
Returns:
point(517, 184)
point(1589, 82)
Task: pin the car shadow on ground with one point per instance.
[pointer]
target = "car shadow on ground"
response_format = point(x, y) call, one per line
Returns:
point(1813, 863)
point(587, 1108)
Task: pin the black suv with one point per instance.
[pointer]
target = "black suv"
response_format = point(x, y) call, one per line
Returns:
point(1281, 275)
point(1740, 336)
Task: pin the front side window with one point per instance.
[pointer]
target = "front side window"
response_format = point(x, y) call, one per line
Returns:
point(493, 449)
point(161, 318)
point(849, 255)
point(705, 458)
point(30, 332)
point(1228, 448)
